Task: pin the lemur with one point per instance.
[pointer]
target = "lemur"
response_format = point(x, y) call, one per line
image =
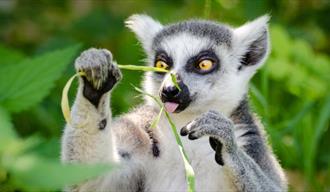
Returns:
point(225, 142)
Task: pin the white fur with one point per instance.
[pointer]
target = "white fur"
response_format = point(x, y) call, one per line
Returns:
point(144, 27)
point(201, 157)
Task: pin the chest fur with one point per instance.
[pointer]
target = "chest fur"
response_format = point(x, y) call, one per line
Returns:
point(209, 176)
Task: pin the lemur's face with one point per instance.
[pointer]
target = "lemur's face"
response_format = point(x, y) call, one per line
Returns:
point(212, 62)
point(200, 66)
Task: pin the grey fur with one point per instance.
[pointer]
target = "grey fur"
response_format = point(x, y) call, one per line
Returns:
point(242, 114)
point(212, 124)
point(88, 139)
point(219, 33)
point(255, 141)
point(251, 163)
point(145, 137)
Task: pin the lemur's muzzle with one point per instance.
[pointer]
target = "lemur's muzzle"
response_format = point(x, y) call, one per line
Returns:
point(175, 100)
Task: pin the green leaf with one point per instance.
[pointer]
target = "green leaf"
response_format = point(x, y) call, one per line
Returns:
point(320, 128)
point(281, 42)
point(9, 56)
point(33, 173)
point(27, 83)
point(7, 133)
point(323, 119)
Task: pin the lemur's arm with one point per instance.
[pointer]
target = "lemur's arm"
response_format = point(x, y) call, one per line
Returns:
point(249, 163)
point(89, 138)
point(252, 164)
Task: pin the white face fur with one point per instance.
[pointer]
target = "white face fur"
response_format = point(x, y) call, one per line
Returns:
point(235, 53)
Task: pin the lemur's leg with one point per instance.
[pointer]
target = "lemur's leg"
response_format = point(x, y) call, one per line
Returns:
point(246, 173)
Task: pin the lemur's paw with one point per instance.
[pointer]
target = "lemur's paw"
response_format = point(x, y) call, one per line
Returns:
point(99, 68)
point(101, 73)
point(213, 124)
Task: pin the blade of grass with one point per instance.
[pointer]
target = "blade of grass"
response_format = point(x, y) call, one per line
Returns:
point(261, 99)
point(142, 68)
point(292, 123)
point(174, 80)
point(321, 127)
point(265, 83)
point(323, 119)
point(65, 100)
point(145, 93)
point(189, 171)
point(156, 120)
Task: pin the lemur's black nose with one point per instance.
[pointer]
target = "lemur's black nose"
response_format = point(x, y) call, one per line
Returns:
point(170, 92)
point(174, 95)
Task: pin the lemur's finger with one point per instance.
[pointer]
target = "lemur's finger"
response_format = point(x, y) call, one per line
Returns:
point(202, 120)
point(214, 143)
point(116, 71)
point(218, 158)
point(184, 130)
point(204, 130)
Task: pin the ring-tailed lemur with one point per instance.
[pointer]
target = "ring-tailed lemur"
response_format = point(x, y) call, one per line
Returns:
point(226, 144)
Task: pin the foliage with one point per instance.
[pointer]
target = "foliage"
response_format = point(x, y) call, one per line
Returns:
point(290, 93)
point(295, 72)
point(27, 169)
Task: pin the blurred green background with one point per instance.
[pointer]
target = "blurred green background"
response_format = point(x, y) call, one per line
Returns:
point(40, 38)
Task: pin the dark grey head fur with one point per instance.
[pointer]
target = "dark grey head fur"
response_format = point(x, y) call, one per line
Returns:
point(217, 32)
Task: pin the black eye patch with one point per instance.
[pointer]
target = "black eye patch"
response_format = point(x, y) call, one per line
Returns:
point(193, 62)
point(163, 56)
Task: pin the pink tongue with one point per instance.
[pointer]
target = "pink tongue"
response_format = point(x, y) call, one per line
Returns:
point(171, 107)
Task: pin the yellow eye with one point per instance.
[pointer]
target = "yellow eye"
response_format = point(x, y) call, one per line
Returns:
point(205, 65)
point(161, 64)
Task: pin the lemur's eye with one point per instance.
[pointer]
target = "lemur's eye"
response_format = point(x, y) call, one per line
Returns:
point(205, 65)
point(161, 64)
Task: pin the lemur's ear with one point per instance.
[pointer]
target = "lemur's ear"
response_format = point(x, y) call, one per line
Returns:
point(144, 27)
point(251, 42)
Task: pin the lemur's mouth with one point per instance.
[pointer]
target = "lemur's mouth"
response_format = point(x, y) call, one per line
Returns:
point(176, 107)
point(175, 100)
point(170, 106)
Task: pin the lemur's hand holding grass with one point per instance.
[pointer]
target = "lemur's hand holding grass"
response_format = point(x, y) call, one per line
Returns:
point(218, 127)
point(101, 73)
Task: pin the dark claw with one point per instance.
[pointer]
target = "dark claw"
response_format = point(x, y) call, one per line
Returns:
point(214, 143)
point(217, 147)
point(191, 136)
point(218, 159)
point(94, 95)
point(103, 124)
point(184, 131)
